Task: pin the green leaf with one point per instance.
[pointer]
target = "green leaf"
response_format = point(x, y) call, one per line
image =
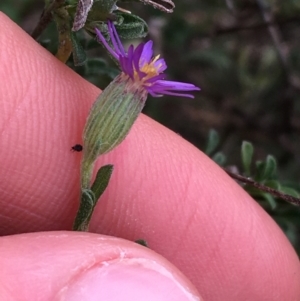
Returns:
point(128, 26)
point(261, 197)
point(132, 26)
point(89, 198)
point(141, 242)
point(105, 6)
point(102, 180)
point(266, 170)
point(84, 213)
point(272, 184)
point(219, 158)
point(270, 167)
point(102, 10)
point(213, 142)
point(79, 55)
point(290, 191)
point(270, 200)
point(247, 155)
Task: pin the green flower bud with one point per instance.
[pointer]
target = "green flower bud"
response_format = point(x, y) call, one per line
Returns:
point(110, 119)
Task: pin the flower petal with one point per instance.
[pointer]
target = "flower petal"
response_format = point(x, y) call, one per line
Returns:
point(129, 61)
point(160, 65)
point(147, 53)
point(153, 94)
point(136, 59)
point(102, 39)
point(172, 85)
point(125, 66)
point(160, 92)
point(155, 78)
point(115, 39)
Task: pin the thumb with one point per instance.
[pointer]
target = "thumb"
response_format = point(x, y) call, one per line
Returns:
point(84, 266)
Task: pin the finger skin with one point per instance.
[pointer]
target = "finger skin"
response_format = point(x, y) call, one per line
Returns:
point(46, 265)
point(163, 189)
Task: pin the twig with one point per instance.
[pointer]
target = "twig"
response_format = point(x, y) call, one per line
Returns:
point(231, 6)
point(46, 18)
point(291, 199)
point(278, 22)
point(274, 32)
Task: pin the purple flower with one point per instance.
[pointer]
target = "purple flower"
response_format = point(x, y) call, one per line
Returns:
point(144, 70)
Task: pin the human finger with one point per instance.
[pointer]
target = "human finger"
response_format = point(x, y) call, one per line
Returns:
point(163, 189)
point(84, 266)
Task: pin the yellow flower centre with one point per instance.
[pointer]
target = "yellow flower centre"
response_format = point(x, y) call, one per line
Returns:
point(149, 69)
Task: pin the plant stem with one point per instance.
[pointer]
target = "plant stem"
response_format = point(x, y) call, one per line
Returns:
point(46, 18)
point(288, 198)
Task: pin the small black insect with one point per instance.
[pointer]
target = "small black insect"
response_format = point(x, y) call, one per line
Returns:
point(77, 148)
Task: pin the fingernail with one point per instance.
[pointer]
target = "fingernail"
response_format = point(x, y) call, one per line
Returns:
point(128, 279)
